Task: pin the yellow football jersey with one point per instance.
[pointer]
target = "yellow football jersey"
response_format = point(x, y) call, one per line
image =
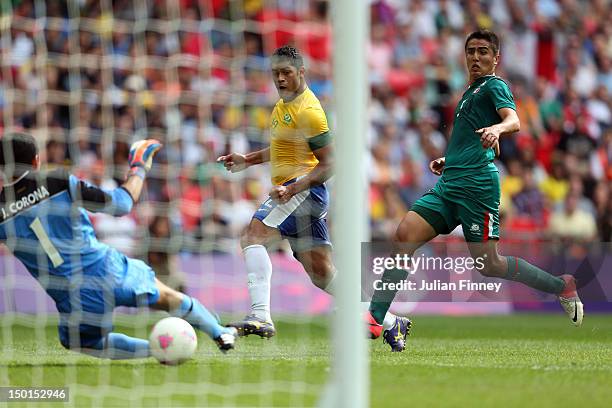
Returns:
point(296, 129)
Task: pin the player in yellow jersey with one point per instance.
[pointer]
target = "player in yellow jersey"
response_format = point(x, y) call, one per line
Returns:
point(300, 156)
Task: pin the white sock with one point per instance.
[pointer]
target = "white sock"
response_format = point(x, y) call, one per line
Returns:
point(389, 321)
point(259, 273)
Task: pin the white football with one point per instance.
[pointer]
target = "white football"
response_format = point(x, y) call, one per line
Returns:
point(172, 341)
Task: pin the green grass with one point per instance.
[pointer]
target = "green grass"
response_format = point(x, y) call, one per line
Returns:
point(513, 361)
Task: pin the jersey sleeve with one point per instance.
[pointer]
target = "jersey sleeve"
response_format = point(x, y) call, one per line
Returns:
point(115, 202)
point(313, 123)
point(500, 95)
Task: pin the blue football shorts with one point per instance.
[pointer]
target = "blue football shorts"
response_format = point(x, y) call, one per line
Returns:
point(301, 220)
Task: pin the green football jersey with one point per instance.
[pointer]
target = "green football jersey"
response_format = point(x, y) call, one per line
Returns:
point(476, 109)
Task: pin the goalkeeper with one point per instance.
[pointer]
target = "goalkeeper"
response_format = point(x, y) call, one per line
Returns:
point(44, 223)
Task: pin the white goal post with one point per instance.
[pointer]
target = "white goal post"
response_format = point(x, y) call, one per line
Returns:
point(350, 385)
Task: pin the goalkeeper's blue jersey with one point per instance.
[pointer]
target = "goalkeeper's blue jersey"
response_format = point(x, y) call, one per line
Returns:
point(44, 223)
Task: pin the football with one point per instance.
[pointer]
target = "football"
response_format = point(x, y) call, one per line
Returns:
point(172, 341)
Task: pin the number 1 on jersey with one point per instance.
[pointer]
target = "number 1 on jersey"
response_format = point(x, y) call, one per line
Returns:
point(49, 248)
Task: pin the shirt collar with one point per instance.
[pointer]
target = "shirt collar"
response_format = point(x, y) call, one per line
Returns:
point(480, 80)
point(12, 183)
point(297, 98)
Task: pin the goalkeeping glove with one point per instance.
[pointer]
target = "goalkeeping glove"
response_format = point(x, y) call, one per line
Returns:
point(141, 156)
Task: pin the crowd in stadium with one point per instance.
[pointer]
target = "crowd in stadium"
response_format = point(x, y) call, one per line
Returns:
point(88, 78)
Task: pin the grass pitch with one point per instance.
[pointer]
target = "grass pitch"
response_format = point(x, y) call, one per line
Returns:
point(513, 361)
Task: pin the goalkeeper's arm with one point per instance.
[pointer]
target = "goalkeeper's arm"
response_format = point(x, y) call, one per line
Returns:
point(119, 201)
point(140, 161)
point(116, 202)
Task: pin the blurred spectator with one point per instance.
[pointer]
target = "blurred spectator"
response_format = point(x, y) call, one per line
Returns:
point(529, 201)
point(163, 253)
point(549, 105)
point(576, 189)
point(572, 224)
point(22, 48)
point(449, 15)
point(193, 194)
point(602, 197)
point(407, 51)
point(527, 109)
point(421, 14)
point(315, 35)
point(598, 107)
point(519, 44)
point(555, 186)
point(191, 151)
point(379, 55)
point(601, 159)
point(56, 153)
point(388, 107)
point(512, 183)
point(231, 209)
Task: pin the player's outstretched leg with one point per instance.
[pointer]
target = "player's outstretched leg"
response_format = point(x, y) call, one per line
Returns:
point(563, 286)
point(116, 346)
point(180, 305)
point(519, 270)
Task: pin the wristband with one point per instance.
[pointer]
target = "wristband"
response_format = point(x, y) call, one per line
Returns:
point(136, 171)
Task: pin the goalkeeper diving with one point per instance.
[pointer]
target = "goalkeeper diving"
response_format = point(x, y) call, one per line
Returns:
point(44, 223)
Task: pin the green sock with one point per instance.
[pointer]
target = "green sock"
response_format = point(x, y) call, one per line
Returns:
point(382, 299)
point(522, 271)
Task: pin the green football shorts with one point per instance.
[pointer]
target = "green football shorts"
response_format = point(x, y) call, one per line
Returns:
point(470, 201)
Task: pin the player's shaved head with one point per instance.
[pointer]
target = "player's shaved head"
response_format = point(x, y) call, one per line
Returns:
point(17, 152)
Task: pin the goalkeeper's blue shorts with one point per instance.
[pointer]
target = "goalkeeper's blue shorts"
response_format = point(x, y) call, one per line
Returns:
point(86, 313)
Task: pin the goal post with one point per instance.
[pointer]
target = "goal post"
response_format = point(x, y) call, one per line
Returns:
point(350, 372)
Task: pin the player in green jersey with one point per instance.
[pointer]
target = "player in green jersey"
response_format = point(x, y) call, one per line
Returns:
point(468, 191)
